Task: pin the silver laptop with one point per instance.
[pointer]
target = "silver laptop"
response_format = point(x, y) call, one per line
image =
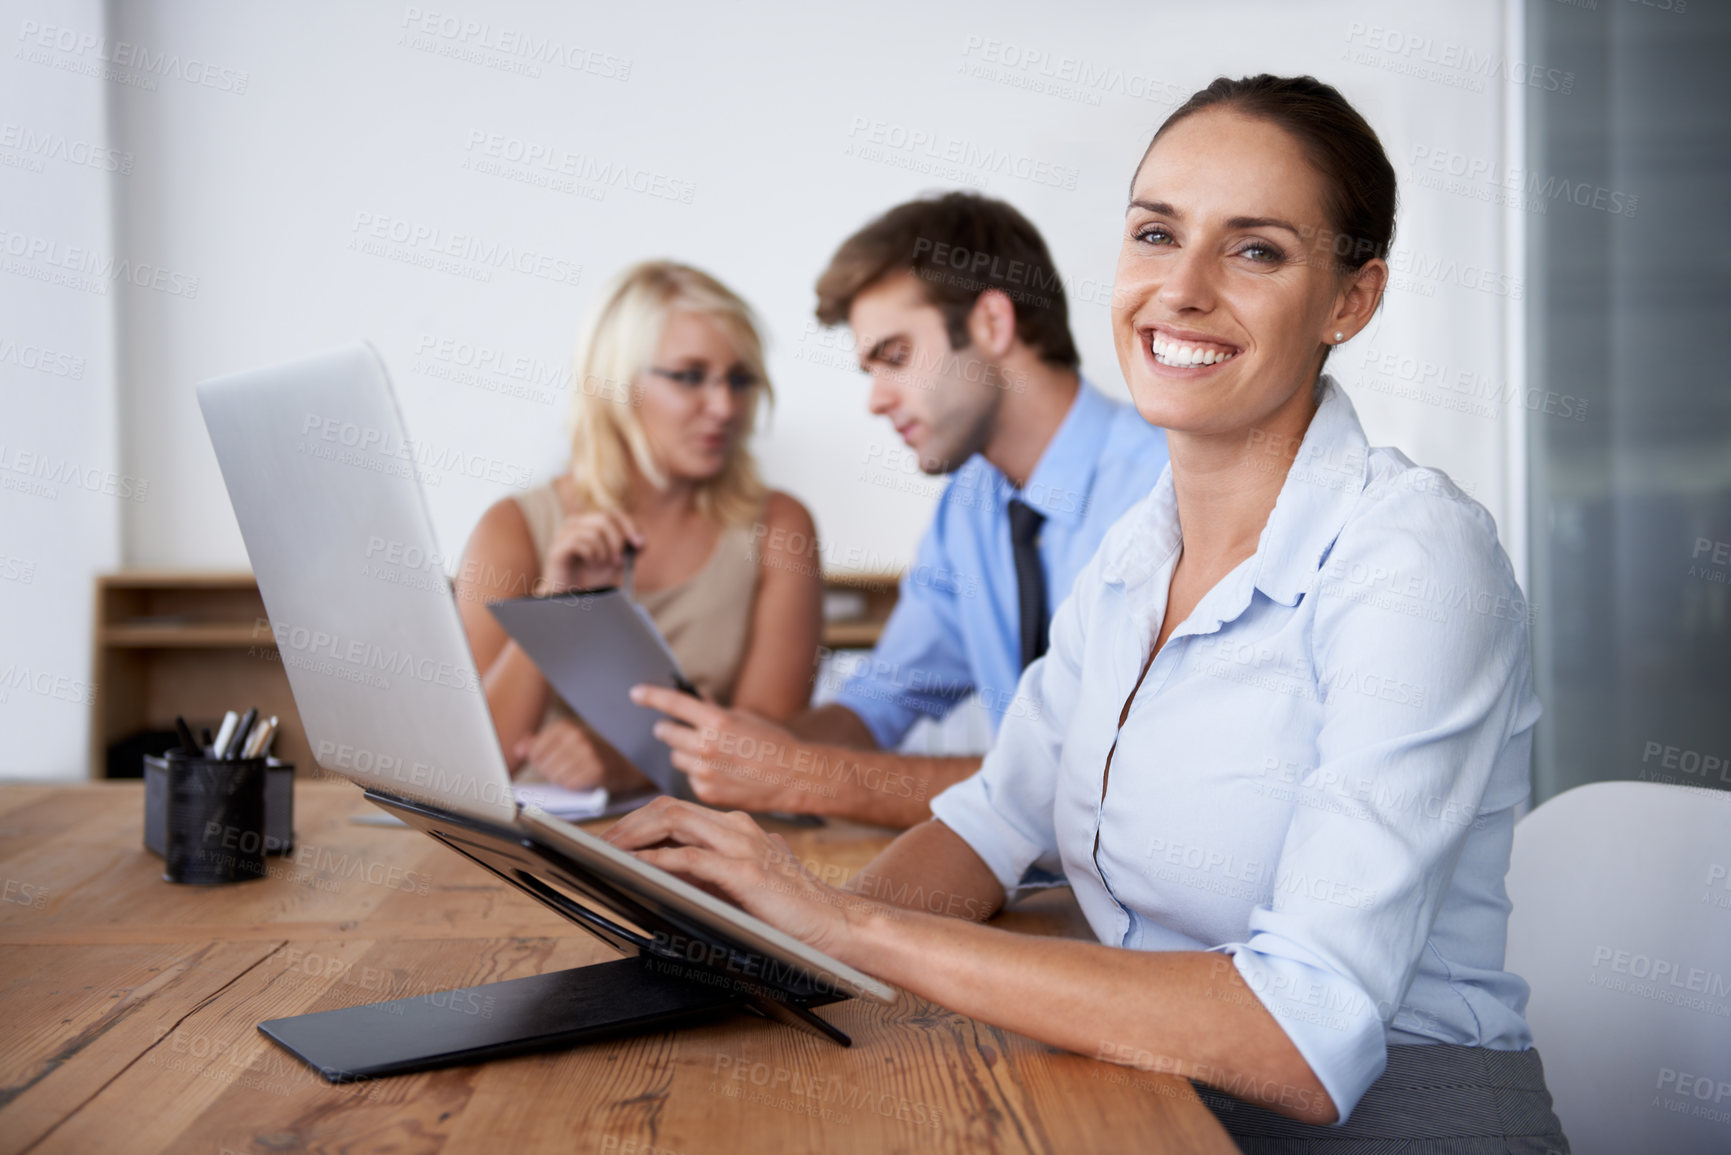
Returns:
point(322, 477)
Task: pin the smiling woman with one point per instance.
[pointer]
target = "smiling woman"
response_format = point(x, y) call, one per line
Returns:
point(1284, 799)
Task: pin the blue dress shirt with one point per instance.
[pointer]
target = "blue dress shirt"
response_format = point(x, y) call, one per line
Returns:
point(1320, 771)
point(956, 626)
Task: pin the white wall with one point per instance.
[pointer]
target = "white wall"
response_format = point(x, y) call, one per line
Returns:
point(257, 174)
point(64, 487)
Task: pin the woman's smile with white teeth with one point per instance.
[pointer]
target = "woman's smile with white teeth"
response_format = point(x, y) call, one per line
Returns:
point(1184, 355)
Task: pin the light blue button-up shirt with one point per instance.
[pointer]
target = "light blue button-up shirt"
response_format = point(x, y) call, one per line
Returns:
point(1320, 772)
point(956, 626)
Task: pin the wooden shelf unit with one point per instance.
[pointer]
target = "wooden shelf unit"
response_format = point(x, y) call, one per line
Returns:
point(187, 642)
point(197, 643)
point(861, 633)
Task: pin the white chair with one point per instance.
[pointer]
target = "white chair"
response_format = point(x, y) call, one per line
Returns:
point(1622, 927)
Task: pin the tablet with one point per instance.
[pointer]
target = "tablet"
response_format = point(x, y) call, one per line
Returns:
point(593, 646)
point(669, 895)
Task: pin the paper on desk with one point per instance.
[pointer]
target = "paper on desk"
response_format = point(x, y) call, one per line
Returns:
point(563, 803)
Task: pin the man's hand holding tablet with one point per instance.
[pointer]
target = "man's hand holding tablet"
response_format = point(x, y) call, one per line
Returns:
point(733, 757)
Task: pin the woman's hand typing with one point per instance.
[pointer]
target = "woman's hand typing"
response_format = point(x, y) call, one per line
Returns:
point(730, 856)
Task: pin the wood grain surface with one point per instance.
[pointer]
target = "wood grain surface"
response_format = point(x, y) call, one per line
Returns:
point(129, 1010)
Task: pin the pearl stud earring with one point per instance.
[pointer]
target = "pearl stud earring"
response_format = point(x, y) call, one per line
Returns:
point(1339, 336)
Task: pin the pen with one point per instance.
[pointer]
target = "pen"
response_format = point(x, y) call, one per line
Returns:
point(259, 743)
point(625, 578)
point(187, 745)
point(224, 733)
point(237, 740)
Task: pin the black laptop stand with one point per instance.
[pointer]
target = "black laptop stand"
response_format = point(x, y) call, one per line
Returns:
point(676, 972)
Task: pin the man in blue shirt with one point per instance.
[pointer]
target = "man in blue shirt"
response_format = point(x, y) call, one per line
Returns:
point(959, 317)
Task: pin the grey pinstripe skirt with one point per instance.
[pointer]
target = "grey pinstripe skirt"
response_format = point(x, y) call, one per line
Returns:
point(1432, 1100)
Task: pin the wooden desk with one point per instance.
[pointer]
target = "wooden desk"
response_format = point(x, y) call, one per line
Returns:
point(130, 1012)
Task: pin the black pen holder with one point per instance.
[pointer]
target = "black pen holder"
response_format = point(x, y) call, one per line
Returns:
point(215, 830)
point(279, 805)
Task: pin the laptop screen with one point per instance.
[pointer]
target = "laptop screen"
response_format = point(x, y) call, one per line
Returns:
point(322, 477)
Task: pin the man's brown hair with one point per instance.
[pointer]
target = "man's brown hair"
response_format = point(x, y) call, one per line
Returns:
point(959, 245)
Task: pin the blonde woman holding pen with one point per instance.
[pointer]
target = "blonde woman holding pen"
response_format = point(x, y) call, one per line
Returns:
point(669, 375)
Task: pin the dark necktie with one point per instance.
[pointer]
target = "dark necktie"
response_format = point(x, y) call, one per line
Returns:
point(1025, 522)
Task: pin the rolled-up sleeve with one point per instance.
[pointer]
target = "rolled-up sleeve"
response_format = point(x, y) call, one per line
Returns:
point(1417, 709)
point(1004, 811)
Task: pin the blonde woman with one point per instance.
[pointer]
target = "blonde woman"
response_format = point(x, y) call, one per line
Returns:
point(668, 376)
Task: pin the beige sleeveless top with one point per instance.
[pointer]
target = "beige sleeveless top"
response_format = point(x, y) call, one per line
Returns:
point(706, 619)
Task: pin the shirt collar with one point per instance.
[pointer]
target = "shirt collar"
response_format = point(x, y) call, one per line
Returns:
point(1058, 488)
point(1152, 539)
point(1321, 488)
